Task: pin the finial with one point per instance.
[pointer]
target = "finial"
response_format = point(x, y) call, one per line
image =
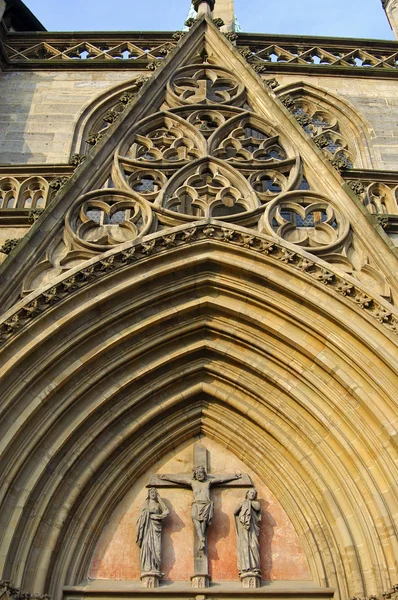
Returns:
point(218, 9)
point(391, 8)
point(203, 7)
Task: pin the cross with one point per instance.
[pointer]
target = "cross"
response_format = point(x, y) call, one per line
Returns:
point(202, 507)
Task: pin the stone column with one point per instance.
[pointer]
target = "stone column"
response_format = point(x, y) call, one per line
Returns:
point(2, 8)
point(391, 8)
point(225, 10)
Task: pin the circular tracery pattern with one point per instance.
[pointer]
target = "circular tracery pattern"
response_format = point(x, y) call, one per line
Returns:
point(268, 183)
point(104, 218)
point(247, 142)
point(147, 182)
point(166, 142)
point(307, 220)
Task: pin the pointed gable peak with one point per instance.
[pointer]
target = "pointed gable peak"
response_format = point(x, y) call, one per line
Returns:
point(204, 139)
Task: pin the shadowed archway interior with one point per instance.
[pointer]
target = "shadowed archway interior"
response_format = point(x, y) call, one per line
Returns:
point(241, 350)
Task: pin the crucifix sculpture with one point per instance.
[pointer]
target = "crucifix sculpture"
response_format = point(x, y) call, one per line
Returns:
point(202, 506)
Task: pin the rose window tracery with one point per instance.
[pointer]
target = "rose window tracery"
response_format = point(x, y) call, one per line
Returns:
point(207, 154)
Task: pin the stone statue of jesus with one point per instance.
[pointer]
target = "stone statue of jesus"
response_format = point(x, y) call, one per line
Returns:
point(202, 506)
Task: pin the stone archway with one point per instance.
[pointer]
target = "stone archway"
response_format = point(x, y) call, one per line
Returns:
point(121, 369)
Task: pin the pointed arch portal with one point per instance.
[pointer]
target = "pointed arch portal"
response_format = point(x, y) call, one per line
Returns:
point(210, 293)
point(205, 339)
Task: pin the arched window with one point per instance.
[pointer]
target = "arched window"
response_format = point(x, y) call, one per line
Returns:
point(33, 193)
point(333, 124)
point(8, 192)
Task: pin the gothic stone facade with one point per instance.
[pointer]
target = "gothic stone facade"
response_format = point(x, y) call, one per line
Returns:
point(198, 240)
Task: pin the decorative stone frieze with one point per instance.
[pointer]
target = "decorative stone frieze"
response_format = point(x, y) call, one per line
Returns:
point(372, 60)
point(263, 245)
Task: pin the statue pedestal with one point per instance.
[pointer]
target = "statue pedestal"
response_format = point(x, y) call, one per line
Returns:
point(150, 580)
point(250, 580)
point(200, 581)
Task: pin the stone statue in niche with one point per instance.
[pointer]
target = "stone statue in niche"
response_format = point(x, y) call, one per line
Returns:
point(149, 532)
point(201, 483)
point(247, 524)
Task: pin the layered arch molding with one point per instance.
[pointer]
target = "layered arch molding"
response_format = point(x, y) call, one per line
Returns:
point(91, 119)
point(207, 338)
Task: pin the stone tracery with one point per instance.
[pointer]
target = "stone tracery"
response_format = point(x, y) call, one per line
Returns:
point(100, 221)
point(106, 219)
point(238, 163)
point(207, 156)
point(204, 84)
point(324, 128)
point(307, 220)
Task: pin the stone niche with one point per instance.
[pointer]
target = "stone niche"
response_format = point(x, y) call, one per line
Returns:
point(116, 556)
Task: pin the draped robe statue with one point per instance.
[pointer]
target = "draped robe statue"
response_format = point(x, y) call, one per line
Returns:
point(247, 524)
point(149, 530)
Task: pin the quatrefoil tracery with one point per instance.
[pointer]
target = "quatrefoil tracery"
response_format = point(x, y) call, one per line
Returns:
point(104, 218)
point(147, 182)
point(207, 156)
point(308, 220)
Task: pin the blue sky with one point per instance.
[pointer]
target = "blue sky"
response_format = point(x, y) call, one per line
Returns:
point(343, 18)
